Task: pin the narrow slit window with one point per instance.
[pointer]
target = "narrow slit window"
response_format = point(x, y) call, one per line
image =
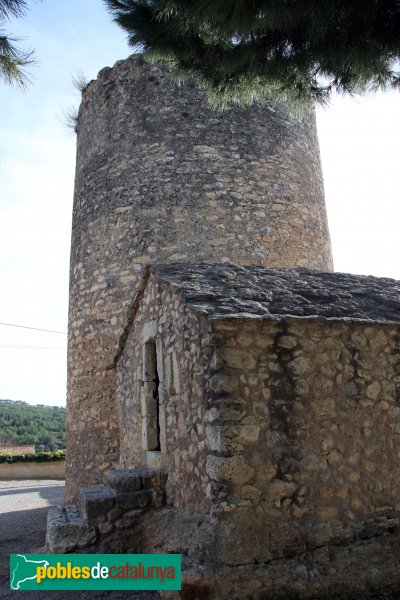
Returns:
point(152, 384)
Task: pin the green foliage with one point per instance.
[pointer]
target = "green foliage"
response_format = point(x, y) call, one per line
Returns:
point(240, 51)
point(12, 58)
point(24, 424)
point(38, 457)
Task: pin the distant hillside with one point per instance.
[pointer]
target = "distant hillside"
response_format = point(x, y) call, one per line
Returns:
point(22, 423)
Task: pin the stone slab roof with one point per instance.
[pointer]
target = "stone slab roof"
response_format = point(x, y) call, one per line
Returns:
point(225, 290)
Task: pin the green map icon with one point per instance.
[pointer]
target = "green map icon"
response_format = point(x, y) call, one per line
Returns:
point(23, 569)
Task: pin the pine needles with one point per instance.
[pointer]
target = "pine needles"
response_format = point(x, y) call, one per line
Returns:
point(243, 51)
point(13, 59)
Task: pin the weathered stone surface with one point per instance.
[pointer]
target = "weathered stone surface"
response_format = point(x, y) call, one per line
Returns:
point(152, 478)
point(106, 528)
point(96, 500)
point(316, 403)
point(106, 512)
point(124, 523)
point(241, 556)
point(160, 176)
point(128, 480)
point(67, 530)
point(226, 290)
point(140, 499)
point(114, 513)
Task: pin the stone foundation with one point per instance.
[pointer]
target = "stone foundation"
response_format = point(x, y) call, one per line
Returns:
point(234, 555)
point(239, 558)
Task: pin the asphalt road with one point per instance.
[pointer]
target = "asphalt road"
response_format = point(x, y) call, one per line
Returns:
point(23, 515)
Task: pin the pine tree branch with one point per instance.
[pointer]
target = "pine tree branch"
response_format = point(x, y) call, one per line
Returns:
point(14, 8)
point(242, 51)
point(12, 62)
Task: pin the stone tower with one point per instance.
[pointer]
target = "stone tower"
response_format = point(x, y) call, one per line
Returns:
point(160, 177)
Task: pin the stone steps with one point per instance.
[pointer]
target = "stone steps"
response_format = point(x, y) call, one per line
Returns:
point(102, 509)
point(67, 530)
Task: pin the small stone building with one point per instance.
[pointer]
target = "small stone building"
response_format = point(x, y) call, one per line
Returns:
point(271, 399)
point(267, 388)
point(229, 397)
point(259, 418)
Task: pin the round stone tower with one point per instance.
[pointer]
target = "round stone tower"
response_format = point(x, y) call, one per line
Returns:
point(161, 177)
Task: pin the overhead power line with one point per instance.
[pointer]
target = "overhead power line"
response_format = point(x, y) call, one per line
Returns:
point(34, 328)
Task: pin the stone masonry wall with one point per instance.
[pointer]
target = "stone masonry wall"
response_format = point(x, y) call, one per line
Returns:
point(184, 354)
point(288, 443)
point(305, 418)
point(161, 177)
point(294, 417)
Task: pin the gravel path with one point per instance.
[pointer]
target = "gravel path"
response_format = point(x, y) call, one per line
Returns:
point(23, 515)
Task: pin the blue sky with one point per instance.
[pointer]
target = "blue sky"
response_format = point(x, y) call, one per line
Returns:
point(359, 147)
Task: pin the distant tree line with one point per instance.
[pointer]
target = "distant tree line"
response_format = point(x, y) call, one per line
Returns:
point(25, 424)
